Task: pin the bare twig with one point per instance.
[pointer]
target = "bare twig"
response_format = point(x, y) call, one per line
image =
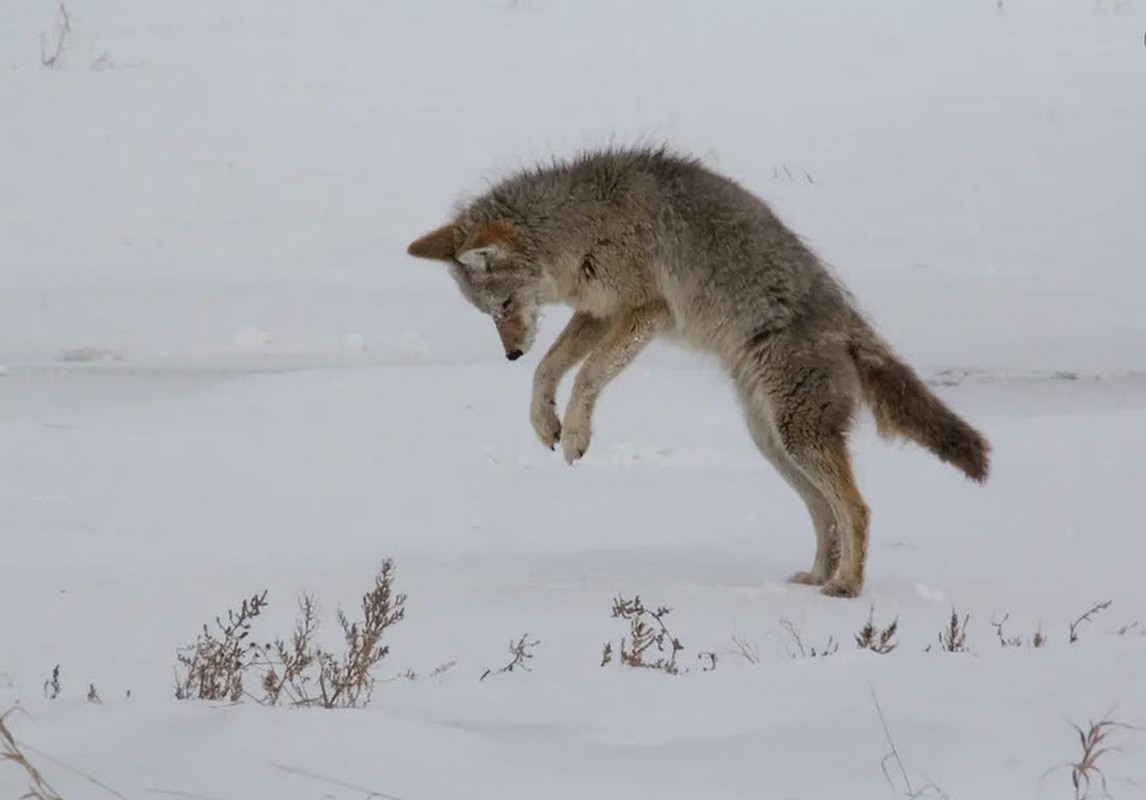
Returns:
point(442, 669)
point(52, 684)
point(520, 650)
point(51, 58)
point(929, 789)
point(1091, 612)
point(1004, 639)
point(793, 632)
point(745, 649)
point(38, 786)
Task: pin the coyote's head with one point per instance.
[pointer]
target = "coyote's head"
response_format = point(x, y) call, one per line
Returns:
point(494, 275)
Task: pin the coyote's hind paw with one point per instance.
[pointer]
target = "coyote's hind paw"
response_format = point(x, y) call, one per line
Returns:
point(807, 579)
point(545, 422)
point(838, 587)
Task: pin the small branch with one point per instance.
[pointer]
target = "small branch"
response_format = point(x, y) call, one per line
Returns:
point(63, 28)
point(52, 684)
point(38, 787)
point(745, 649)
point(1095, 609)
point(829, 647)
point(893, 755)
point(1004, 640)
point(520, 650)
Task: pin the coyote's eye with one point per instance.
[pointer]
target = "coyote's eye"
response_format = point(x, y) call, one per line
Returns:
point(505, 305)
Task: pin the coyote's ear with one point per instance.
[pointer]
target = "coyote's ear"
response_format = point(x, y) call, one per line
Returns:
point(489, 242)
point(440, 243)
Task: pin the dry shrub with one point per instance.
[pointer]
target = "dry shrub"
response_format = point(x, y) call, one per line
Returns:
point(1094, 744)
point(878, 640)
point(953, 638)
point(287, 667)
point(647, 630)
point(300, 672)
point(215, 664)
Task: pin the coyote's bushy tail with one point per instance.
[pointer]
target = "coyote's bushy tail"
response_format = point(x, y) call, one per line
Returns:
point(904, 405)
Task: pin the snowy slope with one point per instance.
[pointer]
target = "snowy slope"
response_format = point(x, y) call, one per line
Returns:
point(219, 373)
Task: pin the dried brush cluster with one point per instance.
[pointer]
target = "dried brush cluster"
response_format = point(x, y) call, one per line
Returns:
point(214, 666)
point(300, 671)
point(647, 630)
point(878, 640)
point(953, 638)
point(1094, 744)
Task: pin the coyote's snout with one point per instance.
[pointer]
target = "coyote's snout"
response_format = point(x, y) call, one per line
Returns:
point(640, 243)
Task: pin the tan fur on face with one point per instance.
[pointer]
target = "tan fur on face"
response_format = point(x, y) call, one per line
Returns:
point(513, 332)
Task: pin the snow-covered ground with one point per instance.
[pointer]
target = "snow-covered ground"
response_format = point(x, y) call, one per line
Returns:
point(219, 373)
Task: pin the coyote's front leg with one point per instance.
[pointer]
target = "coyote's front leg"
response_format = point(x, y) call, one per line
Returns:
point(627, 335)
point(580, 335)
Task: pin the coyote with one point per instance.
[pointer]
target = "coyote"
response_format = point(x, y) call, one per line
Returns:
point(645, 243)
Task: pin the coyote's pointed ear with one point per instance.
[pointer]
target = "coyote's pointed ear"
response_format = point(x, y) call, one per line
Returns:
point(440, 243)
point(489, 242)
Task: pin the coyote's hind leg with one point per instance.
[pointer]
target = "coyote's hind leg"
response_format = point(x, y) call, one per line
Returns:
point(820, 510)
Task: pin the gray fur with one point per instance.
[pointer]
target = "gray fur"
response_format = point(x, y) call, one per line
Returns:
point(642, 243)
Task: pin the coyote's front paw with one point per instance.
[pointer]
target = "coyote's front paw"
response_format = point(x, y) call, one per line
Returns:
point(544, 419)
point(576, 434)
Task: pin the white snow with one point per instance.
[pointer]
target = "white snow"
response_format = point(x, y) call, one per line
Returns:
point(222, 374)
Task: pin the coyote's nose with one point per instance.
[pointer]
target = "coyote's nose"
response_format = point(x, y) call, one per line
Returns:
point(513, 355)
